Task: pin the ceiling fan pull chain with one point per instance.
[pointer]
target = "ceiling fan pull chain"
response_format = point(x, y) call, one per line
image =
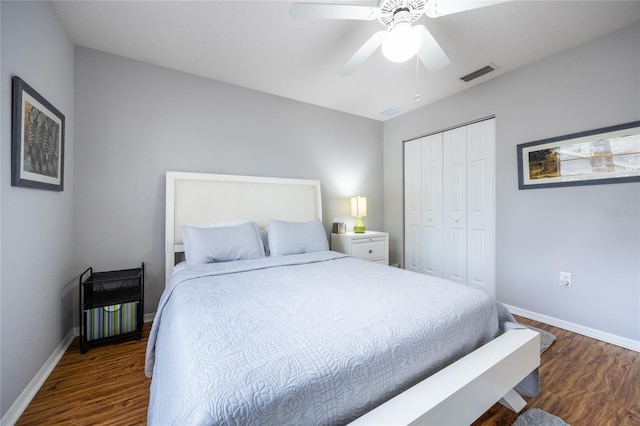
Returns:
point(417, 97)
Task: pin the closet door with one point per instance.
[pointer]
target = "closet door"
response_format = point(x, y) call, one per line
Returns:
point(413, 205)
point(481, 199)
point(432, 205)
point(450, 205)
point(454, 216)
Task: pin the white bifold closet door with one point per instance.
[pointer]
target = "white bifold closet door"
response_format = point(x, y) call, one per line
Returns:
point(450, 205)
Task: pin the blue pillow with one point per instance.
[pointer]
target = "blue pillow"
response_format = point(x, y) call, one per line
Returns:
point(221, 244)
point(296, 237)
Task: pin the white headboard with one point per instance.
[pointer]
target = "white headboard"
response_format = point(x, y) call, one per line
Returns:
point(202, 198)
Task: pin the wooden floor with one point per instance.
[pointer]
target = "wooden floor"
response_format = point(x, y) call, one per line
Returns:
point(584, 381)
point(105, 386)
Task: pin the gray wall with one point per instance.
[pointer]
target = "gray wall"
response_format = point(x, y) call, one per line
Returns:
point(37, 226)
point(134, 121)
point(591, 231)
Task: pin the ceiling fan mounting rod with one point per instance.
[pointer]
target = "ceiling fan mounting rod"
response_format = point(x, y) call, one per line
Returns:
point(401, 14)
point(389, 10)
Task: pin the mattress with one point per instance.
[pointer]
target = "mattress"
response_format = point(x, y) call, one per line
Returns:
point(318, 338)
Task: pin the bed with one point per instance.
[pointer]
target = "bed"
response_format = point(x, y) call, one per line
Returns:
point(272, 327)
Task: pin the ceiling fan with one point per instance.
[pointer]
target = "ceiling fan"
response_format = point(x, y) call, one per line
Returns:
point(400, 41)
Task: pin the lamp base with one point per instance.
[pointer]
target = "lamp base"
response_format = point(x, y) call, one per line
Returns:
point(359, 227)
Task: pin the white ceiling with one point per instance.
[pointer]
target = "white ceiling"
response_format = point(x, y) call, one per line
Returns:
point(257, 45)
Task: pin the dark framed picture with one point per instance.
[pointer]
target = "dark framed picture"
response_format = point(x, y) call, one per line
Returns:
point(606, 155)
point(37, 140)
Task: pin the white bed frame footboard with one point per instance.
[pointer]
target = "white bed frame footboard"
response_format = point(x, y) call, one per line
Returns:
point(456, 395)
point(463, 391)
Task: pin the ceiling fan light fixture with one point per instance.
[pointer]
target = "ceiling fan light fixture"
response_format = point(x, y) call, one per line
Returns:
point(402, 42)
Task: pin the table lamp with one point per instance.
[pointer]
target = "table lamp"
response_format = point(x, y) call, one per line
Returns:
point(359, 209)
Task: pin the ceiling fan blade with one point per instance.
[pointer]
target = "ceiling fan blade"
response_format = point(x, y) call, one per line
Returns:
point(436, 8)
point(430, 53)
point(333, 11)
point(363, 53)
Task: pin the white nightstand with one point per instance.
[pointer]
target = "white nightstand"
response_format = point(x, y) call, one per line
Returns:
point(372, 245)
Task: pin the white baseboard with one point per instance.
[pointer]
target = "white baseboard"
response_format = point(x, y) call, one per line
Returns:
point(624, 342)
point(17, 408)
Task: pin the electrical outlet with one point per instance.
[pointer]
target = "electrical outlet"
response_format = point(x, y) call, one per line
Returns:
point(565, 279)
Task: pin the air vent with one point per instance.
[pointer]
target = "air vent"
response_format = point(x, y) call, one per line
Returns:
point(478, 73)
point(390, 111)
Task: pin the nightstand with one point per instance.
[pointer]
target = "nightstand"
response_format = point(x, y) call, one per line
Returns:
point(111, 305)
point(372, 245)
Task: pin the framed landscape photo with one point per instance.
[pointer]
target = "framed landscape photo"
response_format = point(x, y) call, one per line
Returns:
point(606, 155)
point(37, 140)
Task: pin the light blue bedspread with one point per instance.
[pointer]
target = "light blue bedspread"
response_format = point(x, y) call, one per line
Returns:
point(314, 339)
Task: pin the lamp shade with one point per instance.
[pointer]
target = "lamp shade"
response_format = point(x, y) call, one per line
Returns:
point(402, 42)
point(358, 206)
